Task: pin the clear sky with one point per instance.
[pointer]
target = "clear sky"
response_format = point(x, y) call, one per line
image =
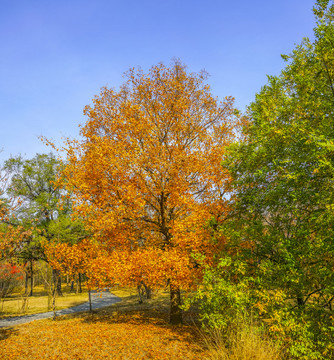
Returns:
point(56, 55)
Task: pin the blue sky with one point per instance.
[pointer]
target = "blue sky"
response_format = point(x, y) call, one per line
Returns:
point(56, 55)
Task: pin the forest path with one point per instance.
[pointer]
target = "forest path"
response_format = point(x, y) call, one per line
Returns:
point(98, 302)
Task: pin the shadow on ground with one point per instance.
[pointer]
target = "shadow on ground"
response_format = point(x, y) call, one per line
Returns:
point(152, 312)
point(7, 332)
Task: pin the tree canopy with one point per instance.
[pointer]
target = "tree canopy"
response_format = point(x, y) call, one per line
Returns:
point(147, 176)
point(283, 179)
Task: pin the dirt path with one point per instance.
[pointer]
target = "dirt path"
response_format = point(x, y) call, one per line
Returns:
point(97, 302)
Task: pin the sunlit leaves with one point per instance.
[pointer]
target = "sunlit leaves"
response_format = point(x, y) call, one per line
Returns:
point(146, 176)
point(129, 338)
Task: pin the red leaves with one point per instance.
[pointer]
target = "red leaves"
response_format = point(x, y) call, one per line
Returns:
point(8, 270)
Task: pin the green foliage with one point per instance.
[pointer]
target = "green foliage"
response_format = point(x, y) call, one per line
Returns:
point(305, 334)
point(33, 181)
point(44, 206)
point(284, 171)
point(223, 299)
point(280, 250)
point(230, 297)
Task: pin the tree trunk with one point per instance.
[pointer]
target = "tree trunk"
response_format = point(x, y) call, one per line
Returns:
point(46, 286)
point(54, 300)
point(26, 283)
point(300, 301)
point(59, 292)
point(77, 285)
point(55, 277)
point(140, 293)
point(90, 300)
point(144, 292)
point(57, 281)
point(148, 291)
point(31, 278)
point(175, 317)
point(80, 289)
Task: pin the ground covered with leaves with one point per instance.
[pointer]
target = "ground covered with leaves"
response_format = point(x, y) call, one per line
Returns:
point(123, 331)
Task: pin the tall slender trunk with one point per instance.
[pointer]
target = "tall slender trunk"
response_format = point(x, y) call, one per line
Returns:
point(148, 291)
point(55, 278)
point(26, 282)
point(77, 284)
point(175, 316)
point(80, 288)
point(46, 286)
point(90, 300)
point(31, 278)
point(54, 292)
point(59, 292)
point(57, 281)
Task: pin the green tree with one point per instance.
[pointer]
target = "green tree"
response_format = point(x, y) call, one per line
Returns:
point(283, 176)
point(33, 182)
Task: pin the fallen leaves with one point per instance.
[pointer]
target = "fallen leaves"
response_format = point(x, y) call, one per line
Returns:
point(94, 337)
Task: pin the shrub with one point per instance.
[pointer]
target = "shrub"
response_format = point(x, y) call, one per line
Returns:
point(237, 309)
point(244, 342)
point(10, 277)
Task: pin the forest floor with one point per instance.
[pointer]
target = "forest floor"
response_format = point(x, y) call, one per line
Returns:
point(125, 330)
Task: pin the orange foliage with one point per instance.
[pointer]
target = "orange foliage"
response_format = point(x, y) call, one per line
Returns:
point(147, 175)
point(71, 259)
point(120, 267)
point(11, 239)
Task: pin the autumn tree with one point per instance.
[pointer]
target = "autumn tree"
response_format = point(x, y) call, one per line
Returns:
point(146, 175)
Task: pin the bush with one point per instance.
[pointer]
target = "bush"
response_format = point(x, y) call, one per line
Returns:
point(10, 277)
point(232, 303)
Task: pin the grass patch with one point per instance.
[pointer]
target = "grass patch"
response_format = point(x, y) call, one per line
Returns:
point(242, 343)
point(38, 303)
